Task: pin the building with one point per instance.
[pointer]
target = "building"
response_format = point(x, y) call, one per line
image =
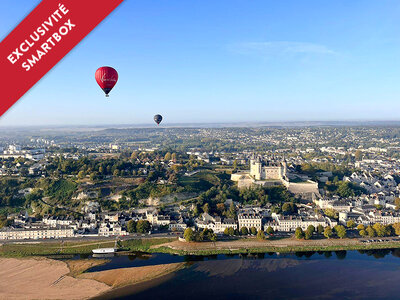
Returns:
point(250, 219)
point(177, 225)
point(11, 233)
point(56, 221)
point(216, 224)
point(290, 223)
point(261, 169)
point(157, 219)
point(384, 217)
point(222, 224)
point(111, 230)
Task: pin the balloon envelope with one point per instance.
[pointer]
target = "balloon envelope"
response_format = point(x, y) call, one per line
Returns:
point(106, 78)
point(158, 119)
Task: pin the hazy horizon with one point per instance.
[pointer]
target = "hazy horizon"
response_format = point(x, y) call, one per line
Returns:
point(254, 124)
point(223, 62)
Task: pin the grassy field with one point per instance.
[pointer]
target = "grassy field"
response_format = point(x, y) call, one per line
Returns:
point(201, 181)
point(265, 249)
point(85, 247)
point(145, 244)
point(151, 246)
point(239, 248)
point(51, 248)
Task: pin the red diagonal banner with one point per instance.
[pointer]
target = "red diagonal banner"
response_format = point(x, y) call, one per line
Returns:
point(42, 39)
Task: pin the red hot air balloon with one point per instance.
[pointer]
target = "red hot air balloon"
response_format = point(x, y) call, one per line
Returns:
point(106, 78)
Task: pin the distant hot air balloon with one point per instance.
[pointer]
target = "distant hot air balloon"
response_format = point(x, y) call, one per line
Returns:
point(158, 119)
point(106, 78)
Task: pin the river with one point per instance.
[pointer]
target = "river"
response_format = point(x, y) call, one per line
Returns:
point(372, 274)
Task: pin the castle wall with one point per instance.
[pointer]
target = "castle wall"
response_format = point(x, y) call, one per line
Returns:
point(301, 187)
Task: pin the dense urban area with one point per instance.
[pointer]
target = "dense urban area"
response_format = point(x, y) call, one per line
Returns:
point(201, 184)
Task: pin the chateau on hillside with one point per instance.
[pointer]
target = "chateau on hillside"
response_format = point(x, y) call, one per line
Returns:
point(267, 169)
point(270, 172)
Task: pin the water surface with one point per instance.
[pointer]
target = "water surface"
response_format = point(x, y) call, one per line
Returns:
point(303, 275)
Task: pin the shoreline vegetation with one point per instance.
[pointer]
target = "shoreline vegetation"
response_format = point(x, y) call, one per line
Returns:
point(252, 245)
point(174, 246)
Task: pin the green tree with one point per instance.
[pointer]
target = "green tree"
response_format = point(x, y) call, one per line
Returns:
point(131, 226)
point(244, 231)
point(226, 231)
point(260, 235)
point(289, 207)
point(207, 235)
point(380, 229)
point(221, 208)
point(396, 227)
point(93, 176)
point(206, 208)
point(389, 230)
point(371, 231)
point(81, 174)
point(328, 232)
point(253, 230)
point(344, 189)
point(331, 213)
point(270, 230)
point(360, 227)
point(232, 211)
point(320, 229)
point(307, 235)
point(212, 237)
point(299, 234)
point(167, 156)
point(309, 232)
point(4, 222)
point(116, 172)
point(134, 155)
point(235, 165)
point(358, 155)
point(311, 228)
point(231, 231)
point(196, 211)
point(397, 203)
point(363, 233)
point(351, 224)
point(143, 226)
point(188, 235)
point(340, 231)
point(173, 157)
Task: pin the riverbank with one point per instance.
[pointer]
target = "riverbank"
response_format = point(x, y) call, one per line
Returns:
point(47, 248)
point(252, 245)
point(173, 246)
point(42, 278)
point(128, 276)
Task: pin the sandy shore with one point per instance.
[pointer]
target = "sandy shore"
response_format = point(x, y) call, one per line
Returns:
point(41, 278)
point(128, 276)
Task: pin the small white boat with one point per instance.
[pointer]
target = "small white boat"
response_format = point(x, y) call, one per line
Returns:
point(104, 250)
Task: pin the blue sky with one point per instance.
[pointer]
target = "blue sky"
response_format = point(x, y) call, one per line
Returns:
point(223, 61)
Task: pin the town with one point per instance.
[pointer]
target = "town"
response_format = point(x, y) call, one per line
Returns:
point(302, 181)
